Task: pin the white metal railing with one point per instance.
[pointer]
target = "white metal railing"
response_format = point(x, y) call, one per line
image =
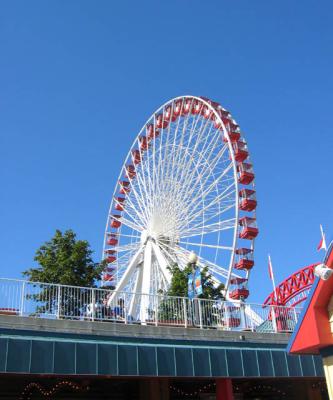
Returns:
point(46, 300)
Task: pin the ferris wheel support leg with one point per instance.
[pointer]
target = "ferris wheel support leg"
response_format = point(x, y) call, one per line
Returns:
point(125, 278)
point(254, 318)
point(243, 318)
point(162, 263)
point(136, 296)
point(146, 280)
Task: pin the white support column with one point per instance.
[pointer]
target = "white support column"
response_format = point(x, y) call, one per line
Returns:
point(242, 313)
point(162, 262)
point(136, 296)
point(125, 278)
point(146, 280)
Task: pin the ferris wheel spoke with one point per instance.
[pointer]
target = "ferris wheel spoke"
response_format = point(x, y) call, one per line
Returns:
point(190, 184)
point(204, 154)
point(139, 197)
point(153, 158)
point(134, 197)
point(193, 194)
point(202, 262)
point(175, 253)
point(202, 195)
point(148, 185)
point(189, 154)
point(213, 208)
point(170, 138)
point(130, 236)
point(128, 223)
point(181, 136)
point(205, 229)
point(136, 216)
point(199, 219)
point(212, 246)
point(207, 263)
point(205, 177)
point(210, 206)
point(127, 247)
point(227, 192)
point(142, 182)
point(209, 165)
point(159, 167)
point(170, 253)
point(191, 224)
point(183, 150)
point(173, 155)
point(194, 210)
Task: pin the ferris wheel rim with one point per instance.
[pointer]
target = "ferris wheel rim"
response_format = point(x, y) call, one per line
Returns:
point(225, 134)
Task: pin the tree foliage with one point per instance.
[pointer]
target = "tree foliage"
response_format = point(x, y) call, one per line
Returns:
point(179, 283)
point(173, 311)
point(65, 260)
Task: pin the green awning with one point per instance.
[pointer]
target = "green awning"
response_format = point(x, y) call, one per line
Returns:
point(51, 354)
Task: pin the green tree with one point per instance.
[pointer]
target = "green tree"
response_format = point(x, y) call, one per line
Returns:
point(63, 260)
point(179, 283)
point(66, 261)
point(172, 310)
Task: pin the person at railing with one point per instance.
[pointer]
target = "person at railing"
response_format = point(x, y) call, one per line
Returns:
point(105, 310)
point(119, 311)
point(90, 310)
point(94, 310)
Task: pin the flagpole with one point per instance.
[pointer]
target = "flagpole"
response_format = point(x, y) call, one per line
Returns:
point(273, 280)
point(323, 238)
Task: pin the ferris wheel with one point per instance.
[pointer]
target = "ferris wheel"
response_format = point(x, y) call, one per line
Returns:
point(187, 185)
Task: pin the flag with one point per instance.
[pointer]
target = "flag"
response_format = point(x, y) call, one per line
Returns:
point(190, 289)
point(197, 282)
point(270, 268)
point(322, 243)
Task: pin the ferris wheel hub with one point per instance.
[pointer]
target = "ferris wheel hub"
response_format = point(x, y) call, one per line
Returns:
point(144, 236)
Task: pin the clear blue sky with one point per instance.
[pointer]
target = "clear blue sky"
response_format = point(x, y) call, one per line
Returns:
point(79, 78)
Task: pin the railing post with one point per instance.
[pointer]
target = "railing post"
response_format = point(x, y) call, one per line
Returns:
point(273, 319)
point(93, 304)
point(125, 309)
point(295, 316)
point(200, 313)
point(22, 299)
point(226, 315)
point(157, 304)
point(58, 301)
point(248, 307)
point(185, 312)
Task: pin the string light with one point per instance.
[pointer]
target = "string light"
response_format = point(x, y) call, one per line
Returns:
point(321, 385)
point(235, 388)
point(26, 394)
point(267, 387)
point(204, 388)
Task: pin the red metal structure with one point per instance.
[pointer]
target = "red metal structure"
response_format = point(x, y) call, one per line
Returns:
point(294, 289)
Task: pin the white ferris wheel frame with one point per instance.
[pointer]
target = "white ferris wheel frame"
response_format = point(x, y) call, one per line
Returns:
point(145, 255)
